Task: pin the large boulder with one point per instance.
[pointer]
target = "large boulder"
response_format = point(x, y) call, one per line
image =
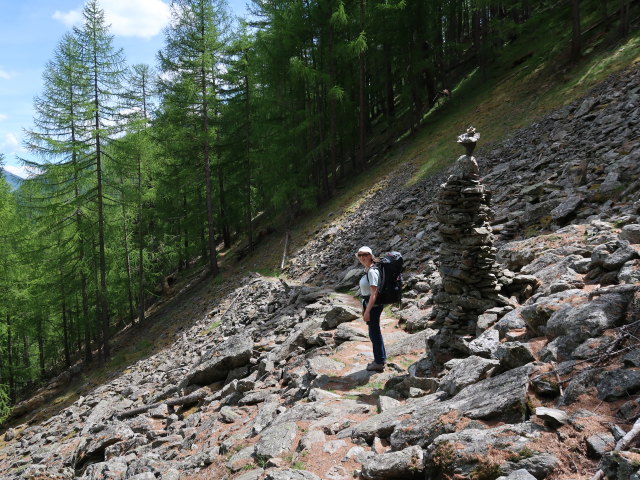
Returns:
point(588, 320)
point(234, 352)
point(503, 396)
point(91, 448)
point(276, 440)
point(405, 464)
point(461, 453)
point(466, 372)
point(339, 314)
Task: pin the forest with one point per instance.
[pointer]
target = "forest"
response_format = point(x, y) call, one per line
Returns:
point(145, 170)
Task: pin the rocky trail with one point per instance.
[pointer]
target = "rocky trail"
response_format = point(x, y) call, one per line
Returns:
point(270, 383)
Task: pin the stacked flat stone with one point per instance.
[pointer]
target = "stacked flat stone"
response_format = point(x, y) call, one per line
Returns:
point(466, 255)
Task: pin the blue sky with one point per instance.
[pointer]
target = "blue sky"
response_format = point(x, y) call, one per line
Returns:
point(29, 33)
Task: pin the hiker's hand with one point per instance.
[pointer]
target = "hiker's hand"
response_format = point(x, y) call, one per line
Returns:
point(365, 316)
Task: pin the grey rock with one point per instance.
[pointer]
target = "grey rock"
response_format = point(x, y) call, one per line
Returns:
point(317, 394)
point(101, 470)
point(588, 320)
point(339, 314)
point(599, 444)
point(413, 343)
point(503, 396)
point(467, 447)
point(511, 321)
point(276, 440)
point(630, 273)
point(586, 106)
point(254, 474)
point(289, 474)
point(618, 258)
point(566, 209)
point(347, 332)
point(241, 459)
point(143, 476)
point(228, 415)
point(404, 464)
point(546, 386)
point(485, 321)
point(415, 318)
point(486, 344)
point(255, 397)
point(631, 233)
point(538, 466)
point(520, 474)
point(580, 384)
point(385, 403)
point(466, 372)
point(592, 347)
point(632, 358)
point(266, 414)
point(618, 383)
point(173, 474)
point(95, 443)
point(311, 438)
point(621, 466)
point(232, 353)
point(629, 411)
point(513, 355)
point(351, 278)
point(552, 416)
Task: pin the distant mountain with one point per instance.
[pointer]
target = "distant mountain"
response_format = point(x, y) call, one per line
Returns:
point(13, 180)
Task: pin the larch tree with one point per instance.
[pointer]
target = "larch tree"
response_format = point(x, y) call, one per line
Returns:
point(190, 63)
point(105, 69)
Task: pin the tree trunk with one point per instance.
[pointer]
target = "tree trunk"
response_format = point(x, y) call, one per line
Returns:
point(576, 36)
point(388, 83)
point(102, 297)
point(40, 332)
point(127, 262)
point(624, 18)
point(362, 78)
point(10, 378)
point(213, 262)
point(333, 147)
point(141, 299)
point(247, 158)
point(65, 325)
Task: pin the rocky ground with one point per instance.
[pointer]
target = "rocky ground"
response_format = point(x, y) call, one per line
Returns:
point(271, 383)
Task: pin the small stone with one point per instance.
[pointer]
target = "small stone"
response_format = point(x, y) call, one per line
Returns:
point(552, 416)
point(385, 403)
point(599, 444)
point(631, 233)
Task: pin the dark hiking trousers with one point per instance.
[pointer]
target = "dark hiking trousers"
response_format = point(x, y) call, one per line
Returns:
point(375, 335)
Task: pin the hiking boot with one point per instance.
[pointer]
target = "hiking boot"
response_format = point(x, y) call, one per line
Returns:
point(375, 367)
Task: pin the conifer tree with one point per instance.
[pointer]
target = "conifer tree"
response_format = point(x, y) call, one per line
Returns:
point(190, 61)
point(105, 69)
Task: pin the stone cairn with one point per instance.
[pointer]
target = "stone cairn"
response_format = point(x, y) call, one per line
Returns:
point(466, 256)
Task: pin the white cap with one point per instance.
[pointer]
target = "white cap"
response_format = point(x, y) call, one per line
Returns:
point(364, 250)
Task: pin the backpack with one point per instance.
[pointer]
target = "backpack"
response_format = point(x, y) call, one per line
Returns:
point(390, 288)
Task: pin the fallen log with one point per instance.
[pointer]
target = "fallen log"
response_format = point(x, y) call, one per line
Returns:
point(621, 445)
point(190, 399)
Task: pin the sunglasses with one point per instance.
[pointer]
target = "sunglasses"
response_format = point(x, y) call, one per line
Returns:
point(363, 254)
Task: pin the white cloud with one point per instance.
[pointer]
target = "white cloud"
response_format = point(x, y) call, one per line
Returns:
point(21, 172)
point(4, 74)
point(3, 116)
point(128, 18)
point(70, 18)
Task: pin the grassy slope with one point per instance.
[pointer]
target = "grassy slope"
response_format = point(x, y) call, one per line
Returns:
point(511, 93)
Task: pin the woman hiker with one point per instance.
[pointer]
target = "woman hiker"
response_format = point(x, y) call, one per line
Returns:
point(370, 311)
